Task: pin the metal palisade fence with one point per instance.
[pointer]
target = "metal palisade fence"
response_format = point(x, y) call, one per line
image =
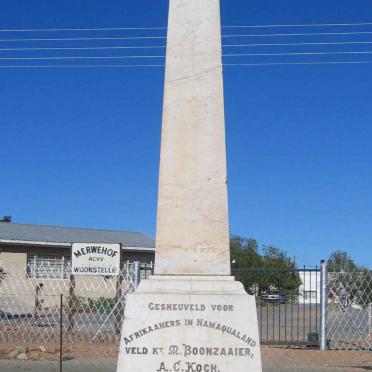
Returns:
point(312, 307)
point(288, 304)
point(92, 307)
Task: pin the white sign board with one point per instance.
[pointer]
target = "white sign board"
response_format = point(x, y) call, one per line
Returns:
point(95, 259)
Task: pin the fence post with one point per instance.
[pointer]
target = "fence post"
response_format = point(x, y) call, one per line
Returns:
point(370, 326)
point(323, 305)
point(61, 333)
point(137, 273)
point(71, 304)
point(38, 307)
point(118, 300)
point(63, 267)
point(35, 266)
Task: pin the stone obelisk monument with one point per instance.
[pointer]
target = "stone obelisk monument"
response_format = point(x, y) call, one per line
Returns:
point(192, 315)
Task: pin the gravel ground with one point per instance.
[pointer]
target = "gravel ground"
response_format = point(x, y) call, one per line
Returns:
point(274, 359)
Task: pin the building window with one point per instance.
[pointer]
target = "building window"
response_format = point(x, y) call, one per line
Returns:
point(310, 295)
point(48, 267)
point(147, 269)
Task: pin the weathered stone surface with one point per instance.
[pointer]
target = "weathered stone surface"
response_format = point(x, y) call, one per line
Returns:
point(184, 328)
point(192, 221)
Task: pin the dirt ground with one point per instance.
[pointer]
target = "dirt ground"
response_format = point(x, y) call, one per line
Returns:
point(94, 358)
point(315, 360)
point(51, 353)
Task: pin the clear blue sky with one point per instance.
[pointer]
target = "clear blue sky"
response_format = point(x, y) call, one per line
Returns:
point(81, 147)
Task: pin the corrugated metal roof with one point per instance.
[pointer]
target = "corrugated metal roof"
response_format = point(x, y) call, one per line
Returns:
point(66, 235)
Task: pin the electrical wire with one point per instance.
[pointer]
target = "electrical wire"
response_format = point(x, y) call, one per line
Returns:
point(296, 44)
point(163, 56)
point(86, 38)
point(302, 25)
point(164, 37)
point(85, 48)
point(83, 29)
point(293, 53)
point(265, 53)
point(82, 66)
point(298, 63)
point(162, 65)
point(77, 57)
point(300, 34)
point(163, 46)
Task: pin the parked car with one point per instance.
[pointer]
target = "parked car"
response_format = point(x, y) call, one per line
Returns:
point(274, 296)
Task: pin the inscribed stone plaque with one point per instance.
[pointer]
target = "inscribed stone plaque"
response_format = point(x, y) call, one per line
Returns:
point(190, 332)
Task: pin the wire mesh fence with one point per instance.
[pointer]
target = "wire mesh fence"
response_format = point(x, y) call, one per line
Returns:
point(92, 307)
point(349, 320)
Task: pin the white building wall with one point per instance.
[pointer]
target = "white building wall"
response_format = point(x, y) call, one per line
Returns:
point(309, 291)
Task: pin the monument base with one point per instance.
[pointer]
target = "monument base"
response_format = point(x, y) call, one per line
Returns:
point(190, 323)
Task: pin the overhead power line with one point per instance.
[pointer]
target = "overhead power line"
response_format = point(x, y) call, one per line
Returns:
point(77, 57)
point(294, 54)
point(83, 29)
point(163, 46)
point(83, 66)
point(296, 44)
point(163, 56)
point(162, 65)
point(302, 25)
point(300, 34)
point(85, 48)
point(164, 37)
point(134, 59)
point(299, 63)
point(86, 38)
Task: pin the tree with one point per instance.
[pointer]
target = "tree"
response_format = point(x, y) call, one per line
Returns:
point(280, 272)
point(259, 273)
point(244, 255)
point(7, 219)
point(348, 282)
point(340, 261)
point(362, 288)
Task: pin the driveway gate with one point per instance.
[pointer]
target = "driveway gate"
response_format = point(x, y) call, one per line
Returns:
point(287, 314)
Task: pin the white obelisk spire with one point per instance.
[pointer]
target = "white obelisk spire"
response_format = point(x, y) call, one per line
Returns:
point(192, 223)
point(192, 306)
